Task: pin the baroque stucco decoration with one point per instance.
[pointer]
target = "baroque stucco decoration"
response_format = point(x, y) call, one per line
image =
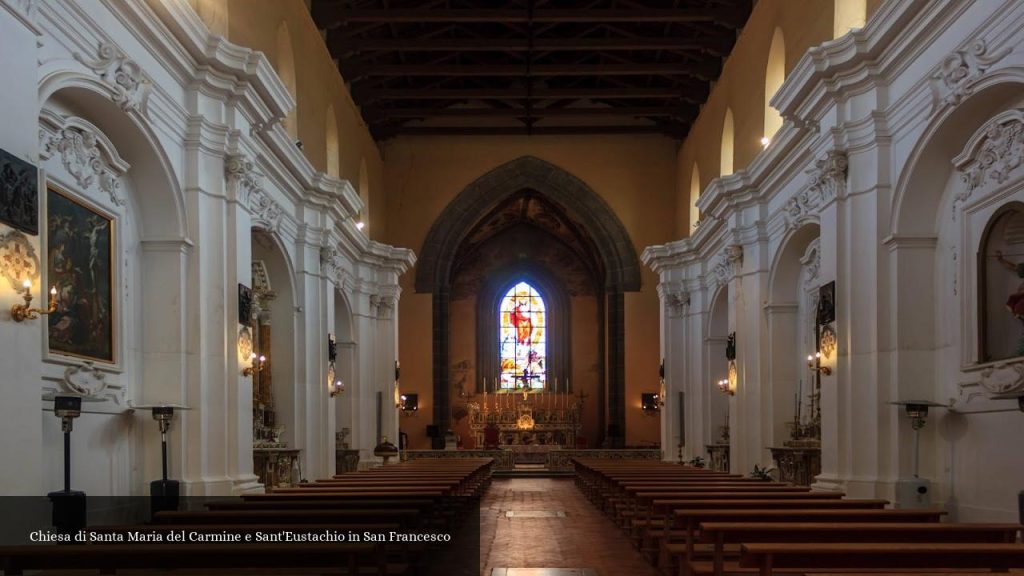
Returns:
point(992, 154)
point(729, 263)
point(811, 261)
point(248, 186)
point(960, 70)
point(87, 160)
point(677, 299)
point(1003, 378)
point(84, 379)
point(129, 85)
point(827, 182)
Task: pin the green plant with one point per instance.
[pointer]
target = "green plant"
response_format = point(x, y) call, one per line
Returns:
point(696, 462)
point(762, 473)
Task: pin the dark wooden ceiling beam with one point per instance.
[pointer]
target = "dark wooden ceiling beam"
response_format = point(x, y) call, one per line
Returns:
point(688, 112)
point(374, 95)
point(691, 69)
point(718, 45)
point(331, 14)
point(674, 131)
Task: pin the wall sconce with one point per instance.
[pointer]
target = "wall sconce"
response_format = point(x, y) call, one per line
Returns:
point(649, 403)
point(724, 388)
point(765, 141)
point(22, 312)
point(814, 363)
point(257, 364)
point(336, 388)
point(410, 404)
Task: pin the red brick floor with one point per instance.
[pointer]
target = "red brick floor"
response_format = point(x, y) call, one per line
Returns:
point(585, 538)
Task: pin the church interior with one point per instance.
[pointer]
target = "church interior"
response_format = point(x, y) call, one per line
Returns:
point(588, 287)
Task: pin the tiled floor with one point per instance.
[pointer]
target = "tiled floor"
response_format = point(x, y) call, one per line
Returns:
point(583, 538)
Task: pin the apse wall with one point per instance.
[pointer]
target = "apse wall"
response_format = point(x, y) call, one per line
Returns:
point(633, 174)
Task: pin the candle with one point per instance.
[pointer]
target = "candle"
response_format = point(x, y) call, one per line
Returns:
point(27, 284)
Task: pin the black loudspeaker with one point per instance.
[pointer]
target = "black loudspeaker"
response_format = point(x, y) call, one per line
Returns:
point(432, 431)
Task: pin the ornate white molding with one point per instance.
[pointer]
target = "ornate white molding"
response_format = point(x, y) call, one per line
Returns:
point(247, 183)
point(84, 379)
point(827, 181)
point(960, 70)
point(1003, 378)
point(124, 76)
point(676, 298)
point(87, 162)
point(828, 176)
point(993, 153)
point(729, 263)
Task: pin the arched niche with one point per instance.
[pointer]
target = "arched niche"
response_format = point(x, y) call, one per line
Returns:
point(694, 196)
point(791, 316)
point(284, 63)
point(364, 192)
point(714, 358)
point(774, 75)
point(583, 218)
point(331, 145)
point(725, 159)
point(847, 15)
point(277, 386)
point(346, 368)
point(148, 292)
point(1001, 285)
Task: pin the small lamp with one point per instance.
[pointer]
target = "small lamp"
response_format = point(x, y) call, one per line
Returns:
point(410, 404)
point(814, 363)
point(22, 312)
point(257, 364)
point(918, 412)
point(723, 387)
point(649, 403)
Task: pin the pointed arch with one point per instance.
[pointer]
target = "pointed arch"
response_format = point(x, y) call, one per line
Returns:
point(694, 195)
point(728, 145)
point(848, 14)
point(332, 146)
point(622, 267)
point(774, 75)
point(285, 66)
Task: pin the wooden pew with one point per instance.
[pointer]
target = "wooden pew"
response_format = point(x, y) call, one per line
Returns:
point(721, 533)
point(811, 557)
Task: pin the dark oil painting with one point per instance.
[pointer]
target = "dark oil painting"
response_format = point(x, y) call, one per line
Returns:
point(79, 249)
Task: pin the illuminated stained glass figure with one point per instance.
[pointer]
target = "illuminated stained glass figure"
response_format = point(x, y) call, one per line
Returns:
point(522, 340)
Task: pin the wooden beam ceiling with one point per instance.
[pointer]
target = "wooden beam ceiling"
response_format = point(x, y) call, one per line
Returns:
point(530, 66)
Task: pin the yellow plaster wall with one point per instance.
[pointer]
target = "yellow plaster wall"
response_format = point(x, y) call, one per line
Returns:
point(254, 24)
point(804, 23)
point(635, 175)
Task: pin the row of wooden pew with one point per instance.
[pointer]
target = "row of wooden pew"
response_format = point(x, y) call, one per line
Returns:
point(695, 522)
point(419, 496)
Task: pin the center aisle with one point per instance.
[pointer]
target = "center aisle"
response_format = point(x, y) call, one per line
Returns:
point(583, 538)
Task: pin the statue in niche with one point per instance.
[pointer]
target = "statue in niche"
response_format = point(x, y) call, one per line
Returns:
point(1015, 302)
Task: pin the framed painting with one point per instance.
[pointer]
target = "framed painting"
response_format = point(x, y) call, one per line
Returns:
point(827, 303)
point(79, 254)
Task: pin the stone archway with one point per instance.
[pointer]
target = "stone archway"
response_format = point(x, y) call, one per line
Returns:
point(612, 246)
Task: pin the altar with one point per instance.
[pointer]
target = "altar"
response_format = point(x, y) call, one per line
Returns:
point(525, 425)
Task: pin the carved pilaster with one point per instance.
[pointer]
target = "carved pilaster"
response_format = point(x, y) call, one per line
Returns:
point(246, 183)
point(729, 264)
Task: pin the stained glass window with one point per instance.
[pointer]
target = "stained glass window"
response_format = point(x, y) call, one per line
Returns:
point(522, 338)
